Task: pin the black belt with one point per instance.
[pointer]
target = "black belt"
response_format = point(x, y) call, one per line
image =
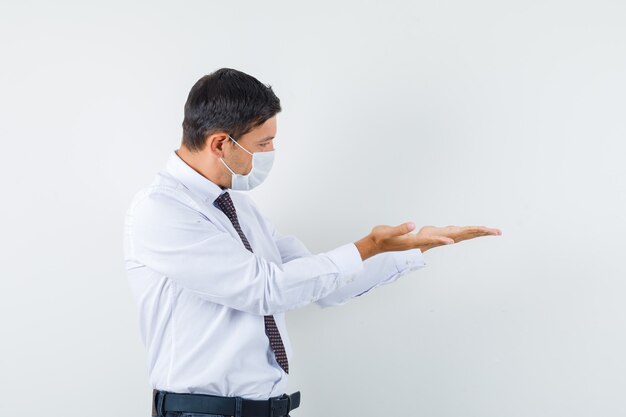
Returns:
point(164, 401)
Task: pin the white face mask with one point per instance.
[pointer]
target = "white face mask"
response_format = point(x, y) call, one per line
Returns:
point(261, 165)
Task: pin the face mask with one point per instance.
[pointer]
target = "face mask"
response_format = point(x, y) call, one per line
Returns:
point(261, 165)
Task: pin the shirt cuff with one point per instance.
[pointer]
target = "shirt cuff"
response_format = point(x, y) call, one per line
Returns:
point(409, 259)
point(348, 260)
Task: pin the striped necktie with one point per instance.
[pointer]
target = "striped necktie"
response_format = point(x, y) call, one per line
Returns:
point(225, 203)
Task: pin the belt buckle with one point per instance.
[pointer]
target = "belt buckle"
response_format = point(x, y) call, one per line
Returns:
point(282, 397)
point(288, 404)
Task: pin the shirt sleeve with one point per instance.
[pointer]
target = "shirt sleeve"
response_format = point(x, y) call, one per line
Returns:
point(383, 268)
point(169, 235)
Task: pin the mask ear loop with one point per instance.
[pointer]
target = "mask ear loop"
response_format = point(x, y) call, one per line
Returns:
point(244, 150)
point(224, 163)
point(239, 144)
point(227, 167)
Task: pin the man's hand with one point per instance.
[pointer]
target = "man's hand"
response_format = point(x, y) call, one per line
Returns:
point(397, 238)
point(456, 233)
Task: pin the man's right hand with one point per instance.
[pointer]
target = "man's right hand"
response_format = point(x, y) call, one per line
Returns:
point(384, 238)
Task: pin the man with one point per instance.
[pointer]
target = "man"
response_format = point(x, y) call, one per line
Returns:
point(213, 278)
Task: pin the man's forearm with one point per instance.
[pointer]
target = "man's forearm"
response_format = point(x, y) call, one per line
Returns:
point(367, 248)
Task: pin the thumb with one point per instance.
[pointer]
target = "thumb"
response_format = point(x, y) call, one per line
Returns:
point(402, 229)
point(387, 232)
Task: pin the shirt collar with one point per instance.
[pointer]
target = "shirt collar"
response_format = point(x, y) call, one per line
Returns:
point(193, 180)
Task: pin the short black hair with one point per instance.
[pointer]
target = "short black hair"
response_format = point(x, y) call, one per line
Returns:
point(226, 100)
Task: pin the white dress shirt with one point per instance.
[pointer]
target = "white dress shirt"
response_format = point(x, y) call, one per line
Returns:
point(201, 295)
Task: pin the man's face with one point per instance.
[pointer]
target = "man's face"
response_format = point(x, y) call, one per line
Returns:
point(259, 139)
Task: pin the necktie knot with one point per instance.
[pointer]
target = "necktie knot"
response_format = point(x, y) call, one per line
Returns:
point(225, 203)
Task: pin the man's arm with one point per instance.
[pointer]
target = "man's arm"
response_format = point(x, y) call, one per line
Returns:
point(383, 268)
point(165, 232)
point(378, 270)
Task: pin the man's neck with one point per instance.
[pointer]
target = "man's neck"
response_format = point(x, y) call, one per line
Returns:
point(198, 163)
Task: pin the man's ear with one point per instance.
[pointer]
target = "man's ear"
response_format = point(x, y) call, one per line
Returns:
point(216, 142)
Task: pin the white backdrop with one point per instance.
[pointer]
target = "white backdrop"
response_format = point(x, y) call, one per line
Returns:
point(506, 114)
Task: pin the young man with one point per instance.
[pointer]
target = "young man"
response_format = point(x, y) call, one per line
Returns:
point(213, 278)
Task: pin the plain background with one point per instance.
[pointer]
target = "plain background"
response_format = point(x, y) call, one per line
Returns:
point(501, 113)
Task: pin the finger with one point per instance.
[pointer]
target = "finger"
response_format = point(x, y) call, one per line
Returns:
point(480, 230)
point(399, 230)
point(442, 240)
point(484, 230)
point(405, 227)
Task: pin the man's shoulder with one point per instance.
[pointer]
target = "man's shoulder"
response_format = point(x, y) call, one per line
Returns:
point(164, 190)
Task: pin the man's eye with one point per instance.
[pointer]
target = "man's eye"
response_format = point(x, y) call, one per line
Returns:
point(264, 145)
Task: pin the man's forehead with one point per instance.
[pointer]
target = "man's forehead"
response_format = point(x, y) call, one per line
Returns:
point(265, 131)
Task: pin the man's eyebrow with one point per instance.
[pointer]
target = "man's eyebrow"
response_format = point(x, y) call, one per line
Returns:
point(267, 138)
